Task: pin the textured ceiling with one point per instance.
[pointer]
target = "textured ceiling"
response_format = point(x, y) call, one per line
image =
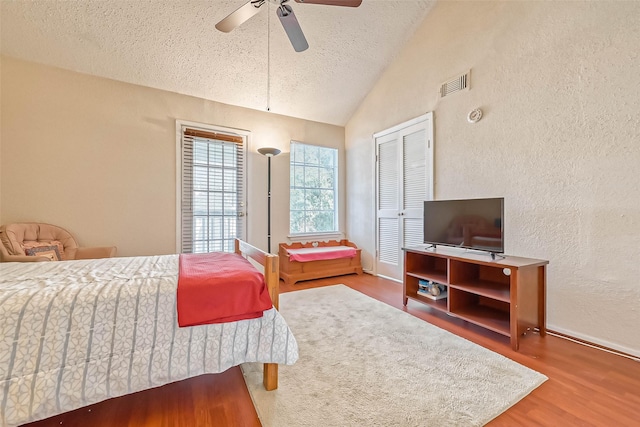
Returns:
point(173, 45)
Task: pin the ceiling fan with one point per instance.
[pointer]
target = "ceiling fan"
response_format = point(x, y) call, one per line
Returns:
point(284, 12)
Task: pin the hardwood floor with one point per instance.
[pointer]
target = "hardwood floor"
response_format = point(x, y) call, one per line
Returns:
point(586, 386)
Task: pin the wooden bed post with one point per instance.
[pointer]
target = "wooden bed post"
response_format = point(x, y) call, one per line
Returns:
point(272, 279)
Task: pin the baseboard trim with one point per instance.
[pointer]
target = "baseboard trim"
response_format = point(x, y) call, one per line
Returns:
point(593, 345)
point(389, 278)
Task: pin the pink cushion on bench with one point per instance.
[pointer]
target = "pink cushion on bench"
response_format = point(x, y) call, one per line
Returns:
point(321, 253)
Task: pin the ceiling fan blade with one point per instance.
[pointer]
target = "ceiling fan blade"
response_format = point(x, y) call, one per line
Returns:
point(292, 28)
point(346, 3)
point(242, 14)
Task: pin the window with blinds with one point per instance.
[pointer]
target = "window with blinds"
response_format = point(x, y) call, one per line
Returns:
point(212, 200)
point(313, 189)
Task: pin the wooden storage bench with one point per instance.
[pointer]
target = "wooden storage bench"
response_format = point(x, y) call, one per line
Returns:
point(318, 260)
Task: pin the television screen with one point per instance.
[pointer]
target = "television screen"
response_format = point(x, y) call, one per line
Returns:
point(471, 223)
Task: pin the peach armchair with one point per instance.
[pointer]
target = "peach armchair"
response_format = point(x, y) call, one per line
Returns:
point(31, 241)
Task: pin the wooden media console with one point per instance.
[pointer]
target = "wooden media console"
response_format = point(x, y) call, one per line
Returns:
point(506, 295)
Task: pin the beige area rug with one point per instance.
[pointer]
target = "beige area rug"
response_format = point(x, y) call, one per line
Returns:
point(365, 363)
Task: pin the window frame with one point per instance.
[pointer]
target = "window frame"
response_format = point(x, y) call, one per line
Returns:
point(335, 233)
point(181, 125)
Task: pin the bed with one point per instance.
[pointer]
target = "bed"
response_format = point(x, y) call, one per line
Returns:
point(75, 333)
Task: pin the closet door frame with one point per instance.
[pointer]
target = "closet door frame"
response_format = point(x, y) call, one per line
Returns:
point(424, 122)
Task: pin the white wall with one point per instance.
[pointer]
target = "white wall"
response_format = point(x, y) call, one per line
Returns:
point(559, 86)
point(98, 157)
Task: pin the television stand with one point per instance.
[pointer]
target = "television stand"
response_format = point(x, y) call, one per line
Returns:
point(493, 255)
point(506, 296)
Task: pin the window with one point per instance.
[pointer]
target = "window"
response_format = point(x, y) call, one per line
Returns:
point(314, 189)
point(211, 211)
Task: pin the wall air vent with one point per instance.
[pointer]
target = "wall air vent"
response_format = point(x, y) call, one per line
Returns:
point(454, 85)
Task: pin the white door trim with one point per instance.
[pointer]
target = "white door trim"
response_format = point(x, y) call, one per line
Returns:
point(401, 130)
point(422, 118)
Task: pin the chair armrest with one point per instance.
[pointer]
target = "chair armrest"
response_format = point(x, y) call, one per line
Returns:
point(96, 253)
point(24, 258)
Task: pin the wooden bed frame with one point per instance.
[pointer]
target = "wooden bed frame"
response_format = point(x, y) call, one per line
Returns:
point(294, 271)
point(270, 373)
point(270, 264)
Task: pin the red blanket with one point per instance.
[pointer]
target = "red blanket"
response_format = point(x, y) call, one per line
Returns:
point(321, 253)
point(219, 287)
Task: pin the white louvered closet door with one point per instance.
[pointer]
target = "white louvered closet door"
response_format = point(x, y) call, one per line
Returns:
point(404, 182)
point(388, 225)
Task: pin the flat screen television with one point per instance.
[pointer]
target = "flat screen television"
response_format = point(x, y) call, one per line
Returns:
point(469, 223)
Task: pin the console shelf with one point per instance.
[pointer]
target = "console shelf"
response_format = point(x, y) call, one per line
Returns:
point(436, 277)
point(506, 296)
point(488, 289)
point(440, 304)
point(495, 320)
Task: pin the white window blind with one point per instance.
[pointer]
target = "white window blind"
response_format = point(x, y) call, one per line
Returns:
point(212, 205)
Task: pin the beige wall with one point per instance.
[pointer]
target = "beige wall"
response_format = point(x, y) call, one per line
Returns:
point(559, 86)
point(1, 144)
point(98, 157)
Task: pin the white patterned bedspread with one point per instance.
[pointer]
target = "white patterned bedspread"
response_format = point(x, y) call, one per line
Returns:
point(79, 332)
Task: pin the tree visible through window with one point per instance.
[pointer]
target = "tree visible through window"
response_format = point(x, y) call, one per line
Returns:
point(313, 189)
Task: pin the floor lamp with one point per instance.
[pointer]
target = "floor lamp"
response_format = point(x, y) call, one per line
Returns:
point(269, 152)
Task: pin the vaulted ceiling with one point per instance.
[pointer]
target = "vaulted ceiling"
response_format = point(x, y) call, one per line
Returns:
point(173, 45)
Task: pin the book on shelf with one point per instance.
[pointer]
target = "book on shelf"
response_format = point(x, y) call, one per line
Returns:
point(426, 294)
point(432, 290)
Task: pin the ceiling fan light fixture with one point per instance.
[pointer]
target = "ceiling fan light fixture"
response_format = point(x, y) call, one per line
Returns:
point(286, 15)
point(292, 27)
point(284, 10)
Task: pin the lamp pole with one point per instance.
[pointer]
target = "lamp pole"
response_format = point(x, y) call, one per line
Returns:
point(269, 153)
